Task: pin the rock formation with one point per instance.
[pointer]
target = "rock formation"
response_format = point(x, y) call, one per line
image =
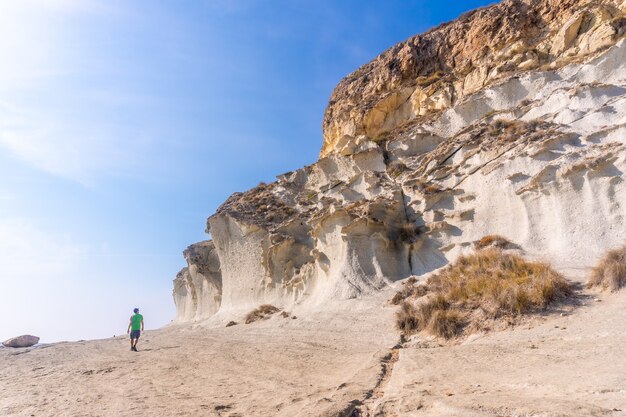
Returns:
point(198, 286)
point(25, 340)
point(510, 120)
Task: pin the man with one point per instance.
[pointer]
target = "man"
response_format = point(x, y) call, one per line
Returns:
point(135, 327)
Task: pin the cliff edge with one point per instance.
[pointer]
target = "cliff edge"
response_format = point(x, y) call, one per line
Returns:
point(510, 120)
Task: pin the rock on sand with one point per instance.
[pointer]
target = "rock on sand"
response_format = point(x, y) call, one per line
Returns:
point(25, 340)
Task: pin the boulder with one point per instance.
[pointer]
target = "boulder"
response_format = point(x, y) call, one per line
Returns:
point(25, 340)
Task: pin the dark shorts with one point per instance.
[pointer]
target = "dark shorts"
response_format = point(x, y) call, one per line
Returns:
point(134, 334)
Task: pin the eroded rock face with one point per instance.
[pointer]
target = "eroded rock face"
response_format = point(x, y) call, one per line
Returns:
point(25, 340)
point(536, 154)
point(430, 72)
point(198, 286)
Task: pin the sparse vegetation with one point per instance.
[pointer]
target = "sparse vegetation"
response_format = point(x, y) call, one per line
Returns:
point(260, 205)
point(409, 290)
point(427, 187)
point(431, 189)
point(406, 318)
point(427, 80)
point(500, 126)
point(231, 323)
point(408, 232)
point(445, 323)
point(263, 312)
point(495, 241)
point(396, 168)
point(610, 272)
point(486, 285)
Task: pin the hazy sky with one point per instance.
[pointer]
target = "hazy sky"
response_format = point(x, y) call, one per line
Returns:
point(124, 124)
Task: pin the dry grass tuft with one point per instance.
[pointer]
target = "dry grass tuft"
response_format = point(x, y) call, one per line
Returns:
point(263, 312)
point(408, 232)
point(409, 290)
point(496, 241)
point(406, 318)
point(486, 285)
point(446, 323)
point(610, 272)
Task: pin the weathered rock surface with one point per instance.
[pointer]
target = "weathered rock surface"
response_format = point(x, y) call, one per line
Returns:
point(509, 121)
point(431, 72)
point(198, 286)
point(25, 340)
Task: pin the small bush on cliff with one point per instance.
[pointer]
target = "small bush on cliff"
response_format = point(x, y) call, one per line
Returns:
point(263, 312)
point(485, 285)
point(496, 241)
point(408, 232)
point(610, 272)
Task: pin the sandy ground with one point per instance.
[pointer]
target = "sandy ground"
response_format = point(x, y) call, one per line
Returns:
point(570, 365)
point(280, 367)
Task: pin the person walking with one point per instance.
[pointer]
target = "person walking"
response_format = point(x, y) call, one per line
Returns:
point(135, 327)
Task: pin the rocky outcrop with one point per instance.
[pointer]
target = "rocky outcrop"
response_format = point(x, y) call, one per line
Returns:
point(22, 341)
point(443, 139)
point(198, 286)
point(431, 72)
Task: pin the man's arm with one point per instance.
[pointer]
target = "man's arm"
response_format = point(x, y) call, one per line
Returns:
point(130, 322)
point(142, 324)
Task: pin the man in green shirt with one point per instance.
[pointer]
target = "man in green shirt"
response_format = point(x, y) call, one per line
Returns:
point(135, 327)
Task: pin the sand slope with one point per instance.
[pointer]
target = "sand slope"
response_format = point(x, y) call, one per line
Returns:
point(328, 364)
point(280, 367)
point(573, 365)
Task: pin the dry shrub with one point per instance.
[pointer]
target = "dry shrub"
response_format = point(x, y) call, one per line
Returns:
point(261, 313)
point(446, 323)
point(494, 241)
point(509, 130)
point(409, 291)
point(408, 232)
point(610, 272)
point(231, 323)
point(485, 285)
point(426, 187)
point(399, 297)
point(406, 318)
point(500, 283)
point(432, 189)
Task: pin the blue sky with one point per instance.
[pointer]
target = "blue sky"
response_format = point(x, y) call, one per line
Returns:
point(123, 125)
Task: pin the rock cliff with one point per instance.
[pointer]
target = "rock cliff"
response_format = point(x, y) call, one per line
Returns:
point(510, 120)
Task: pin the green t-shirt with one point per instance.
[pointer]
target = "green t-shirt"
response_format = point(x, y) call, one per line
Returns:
point(136, 320)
